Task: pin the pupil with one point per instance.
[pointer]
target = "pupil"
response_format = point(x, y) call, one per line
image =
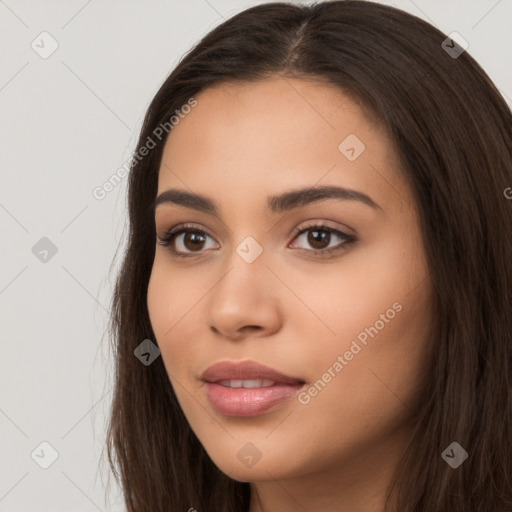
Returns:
point(312, 239)
point(195, 238)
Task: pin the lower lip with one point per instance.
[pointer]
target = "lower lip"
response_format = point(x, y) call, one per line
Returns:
point(248, 401)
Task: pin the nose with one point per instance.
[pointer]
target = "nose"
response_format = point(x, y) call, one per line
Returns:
point(245, 302)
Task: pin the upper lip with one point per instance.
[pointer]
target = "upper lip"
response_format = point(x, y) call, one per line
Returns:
point(245, 370)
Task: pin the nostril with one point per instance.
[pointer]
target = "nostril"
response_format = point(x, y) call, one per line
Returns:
point(250, 329)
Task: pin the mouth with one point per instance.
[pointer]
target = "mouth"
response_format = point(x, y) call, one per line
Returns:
point(247, 388)
point(247, 384)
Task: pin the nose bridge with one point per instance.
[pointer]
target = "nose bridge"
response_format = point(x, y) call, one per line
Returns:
point(250, 250)
point(244, 295)
point(246, 270)
point(248, 234)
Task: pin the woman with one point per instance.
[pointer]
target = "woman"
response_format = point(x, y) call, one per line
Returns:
point(313, 312)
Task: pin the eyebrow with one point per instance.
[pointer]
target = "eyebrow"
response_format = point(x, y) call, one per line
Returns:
point(280, 203)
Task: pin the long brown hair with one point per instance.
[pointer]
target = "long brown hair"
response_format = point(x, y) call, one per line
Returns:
point(452, 130)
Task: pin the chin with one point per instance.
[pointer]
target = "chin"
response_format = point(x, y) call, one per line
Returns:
point(264, 469)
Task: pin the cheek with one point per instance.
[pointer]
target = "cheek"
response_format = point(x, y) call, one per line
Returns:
point(373, 391)
point(377, 316)
point(159, 301)
point(168, 303)
point(364, 299)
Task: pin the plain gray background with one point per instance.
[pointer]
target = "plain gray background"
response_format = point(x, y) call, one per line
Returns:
point(68, 122)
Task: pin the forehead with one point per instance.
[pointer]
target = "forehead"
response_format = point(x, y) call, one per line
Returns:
point(276, 134)
point(274, 113)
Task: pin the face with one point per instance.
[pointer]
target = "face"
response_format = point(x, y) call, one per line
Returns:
point(331, 291)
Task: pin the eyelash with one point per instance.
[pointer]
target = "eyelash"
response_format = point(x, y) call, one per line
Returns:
point(170, 235)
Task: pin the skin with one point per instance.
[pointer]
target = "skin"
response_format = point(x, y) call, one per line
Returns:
point(289, 309)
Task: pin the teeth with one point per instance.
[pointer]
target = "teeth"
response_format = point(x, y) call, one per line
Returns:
point(253, 383)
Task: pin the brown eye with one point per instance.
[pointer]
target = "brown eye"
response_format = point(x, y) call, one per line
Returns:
point(195, 239)
point(319, 237)
point(192, 241)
